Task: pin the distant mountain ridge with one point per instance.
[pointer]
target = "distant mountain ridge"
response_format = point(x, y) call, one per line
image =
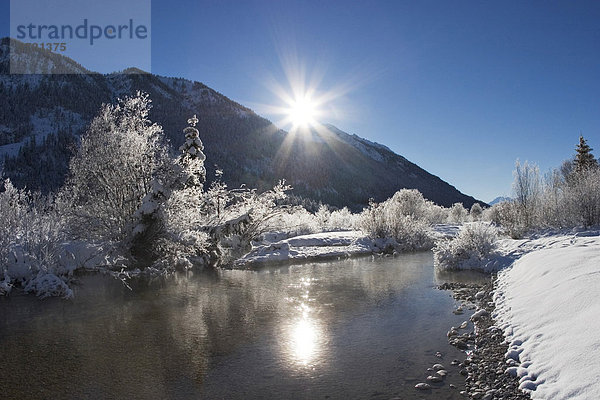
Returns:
point(499, 199)
point(41, 117)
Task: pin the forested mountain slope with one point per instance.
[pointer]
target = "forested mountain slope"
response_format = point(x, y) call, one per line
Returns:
point(41, 116)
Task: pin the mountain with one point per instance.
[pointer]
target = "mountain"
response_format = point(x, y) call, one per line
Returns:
point(41, 117)
point(499, 199)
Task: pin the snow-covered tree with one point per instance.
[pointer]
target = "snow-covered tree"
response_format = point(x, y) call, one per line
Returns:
point(584, 159)
point(323, 215)
point(192, 157)
point(583, 197)
point(476, 212)
point(171, 217)
point(457, 214)
point(527, 190)
point(120, 158)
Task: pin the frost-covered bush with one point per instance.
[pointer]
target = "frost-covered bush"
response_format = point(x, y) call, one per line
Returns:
point(402, 217)
point(337, 220)
point(476, 212)
point(244, 216)
point(457, 214)
point(322, 217)
point(582, 197)
point(474, 244)
point(508, 216)
point(436, 214)
point(410, 202)
point(568, 197)
point(181, 249)
point(342, 220)
point(32, 234)
point(120, 156)
point(297, 221)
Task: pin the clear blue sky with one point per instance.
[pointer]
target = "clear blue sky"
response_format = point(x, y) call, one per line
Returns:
point(461, 88)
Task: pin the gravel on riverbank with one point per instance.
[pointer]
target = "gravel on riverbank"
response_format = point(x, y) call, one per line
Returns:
point(485, 367)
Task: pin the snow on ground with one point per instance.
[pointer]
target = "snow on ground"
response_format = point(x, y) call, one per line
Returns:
point(547, 303)
point(309, 247)
point(326, 245)
point(46, 280)
point(445, 231)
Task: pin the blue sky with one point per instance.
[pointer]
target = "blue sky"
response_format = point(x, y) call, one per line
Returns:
point(461, 88)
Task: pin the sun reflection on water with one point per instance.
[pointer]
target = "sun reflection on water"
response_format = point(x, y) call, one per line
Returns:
point(304, 340)
point(304, 335)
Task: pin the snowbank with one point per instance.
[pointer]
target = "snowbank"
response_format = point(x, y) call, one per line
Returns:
point(547, 304)
point(46, 280)
point(309, 247)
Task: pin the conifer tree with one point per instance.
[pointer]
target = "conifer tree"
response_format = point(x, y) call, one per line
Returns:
point(584, 159)
point(192, 157)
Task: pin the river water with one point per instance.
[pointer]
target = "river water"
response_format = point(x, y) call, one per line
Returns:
point(364, 328)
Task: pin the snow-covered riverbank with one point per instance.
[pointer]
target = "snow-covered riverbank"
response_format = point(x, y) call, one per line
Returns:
point(328, 245)
point(309, 247)
point(547, 304)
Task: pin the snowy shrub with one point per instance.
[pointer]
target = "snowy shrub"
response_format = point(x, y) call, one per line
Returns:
point(322, 217)
point(553, 211)
point(342, 220)
point(173, 219)
point(262, 210)
point(566, 198)
point(457, 214)
point(402, 217)
point(436, 214)
point(474, 244)
point(32, 234)
point(337, 220)
point(181, 250)
point(410, 202)
point(297, 221)
point(13, 209)
point(243, 216)
point(476, 212)
point(507, 215)
point(46, 284)
point(411, 233)
point(372, 221)
point(583, 197)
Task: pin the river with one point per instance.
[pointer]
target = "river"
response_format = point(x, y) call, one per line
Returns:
point(365, 328)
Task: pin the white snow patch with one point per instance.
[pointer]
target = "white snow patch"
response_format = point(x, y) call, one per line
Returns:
point(548, 304)
point(309, 247)
point(445, 231)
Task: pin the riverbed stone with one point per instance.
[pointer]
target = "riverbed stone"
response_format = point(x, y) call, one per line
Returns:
point(485, 365)
point(423, 386)
point(434, 378)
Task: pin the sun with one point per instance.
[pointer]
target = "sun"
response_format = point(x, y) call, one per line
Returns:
point(302, 112)
point(305, 99)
